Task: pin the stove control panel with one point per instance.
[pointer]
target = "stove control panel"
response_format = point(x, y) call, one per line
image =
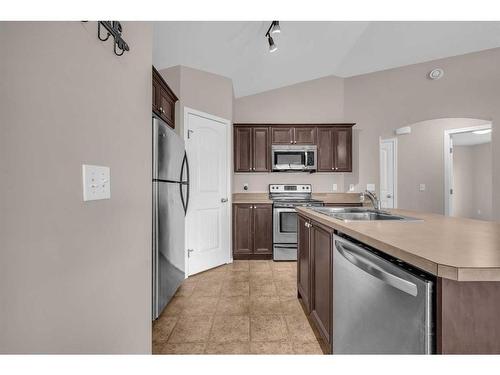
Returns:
point(289, 188)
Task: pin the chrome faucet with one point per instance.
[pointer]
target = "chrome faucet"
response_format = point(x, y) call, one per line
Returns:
point(373, 198)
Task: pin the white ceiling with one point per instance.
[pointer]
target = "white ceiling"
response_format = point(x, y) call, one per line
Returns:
point(309, 50)
point(470, 139)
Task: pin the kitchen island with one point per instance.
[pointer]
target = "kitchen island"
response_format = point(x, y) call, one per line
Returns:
point(463, 255)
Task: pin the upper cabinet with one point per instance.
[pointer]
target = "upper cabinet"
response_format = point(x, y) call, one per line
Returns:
point(252, 145)
point(334, 149)
point(251, 149)
point(293, 135)
point(282, 135)
point(304, 135)
point(163, 99)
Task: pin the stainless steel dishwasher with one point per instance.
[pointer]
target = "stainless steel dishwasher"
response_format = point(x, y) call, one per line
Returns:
point(381, 305)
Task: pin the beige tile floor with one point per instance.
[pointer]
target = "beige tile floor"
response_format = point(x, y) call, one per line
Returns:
point(247, 307)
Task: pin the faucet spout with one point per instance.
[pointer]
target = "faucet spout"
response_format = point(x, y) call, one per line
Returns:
point(373, 198)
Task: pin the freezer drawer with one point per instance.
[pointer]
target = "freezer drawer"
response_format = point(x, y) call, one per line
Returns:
point(381, 306)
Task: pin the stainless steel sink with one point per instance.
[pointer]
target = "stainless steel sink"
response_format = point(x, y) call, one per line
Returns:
point(360, 214)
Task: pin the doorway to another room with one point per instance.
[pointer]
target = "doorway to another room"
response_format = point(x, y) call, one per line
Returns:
point(388, 172)
point(468, 172)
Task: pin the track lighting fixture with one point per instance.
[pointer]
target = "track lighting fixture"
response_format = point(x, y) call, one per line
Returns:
point(272, 46)
point(273, 29)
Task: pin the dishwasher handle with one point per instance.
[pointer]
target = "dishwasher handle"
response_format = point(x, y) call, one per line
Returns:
point(354, 254)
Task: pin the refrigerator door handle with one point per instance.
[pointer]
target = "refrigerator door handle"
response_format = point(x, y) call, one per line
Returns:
point(350, 252)
point(185, 201)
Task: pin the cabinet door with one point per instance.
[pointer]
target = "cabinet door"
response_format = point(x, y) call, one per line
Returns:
point(303, 262)
point(166, 107)
point(325, 150)
point(343, 149)
point(263, 229)
point(156, 95)
point(243, 149)
point(242, 229)
point(282, 135)
point(322, 280)
point(261, 152)
point(305, 135)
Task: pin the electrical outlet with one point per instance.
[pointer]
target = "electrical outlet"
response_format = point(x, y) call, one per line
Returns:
point(370, 187)
point(422, 187)
point(351, 187)
point(334, 187)
point(96, 182)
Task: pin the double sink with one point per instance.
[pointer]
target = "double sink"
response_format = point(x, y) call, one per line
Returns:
point(360, 214)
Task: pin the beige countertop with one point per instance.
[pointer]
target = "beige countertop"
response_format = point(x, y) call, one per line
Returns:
point(251, 198)
point(325, 197)
point(449, 247)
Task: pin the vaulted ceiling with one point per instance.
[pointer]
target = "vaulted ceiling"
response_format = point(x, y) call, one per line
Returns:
point(309, 50)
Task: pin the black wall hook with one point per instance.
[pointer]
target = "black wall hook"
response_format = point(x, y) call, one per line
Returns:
point(114, 29)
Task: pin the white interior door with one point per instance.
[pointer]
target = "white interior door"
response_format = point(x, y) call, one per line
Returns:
point(388, 173)
point(207, 219)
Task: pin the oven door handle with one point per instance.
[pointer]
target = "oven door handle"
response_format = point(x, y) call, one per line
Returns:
point(285, 209)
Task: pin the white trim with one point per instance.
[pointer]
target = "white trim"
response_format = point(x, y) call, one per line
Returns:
point(394, 141)
point(228, 124)
point(448, 163)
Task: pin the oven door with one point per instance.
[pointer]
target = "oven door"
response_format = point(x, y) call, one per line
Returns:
point(285, 225)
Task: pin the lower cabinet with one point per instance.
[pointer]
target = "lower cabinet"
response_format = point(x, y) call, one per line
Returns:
point(252, 231)
point(315, 275)
point(322, 280)
point(304, 262)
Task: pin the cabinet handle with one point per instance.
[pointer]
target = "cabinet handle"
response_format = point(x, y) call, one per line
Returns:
point(291, 142)
point(161, 110)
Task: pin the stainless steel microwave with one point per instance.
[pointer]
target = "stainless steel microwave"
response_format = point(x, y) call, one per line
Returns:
point(294, 158)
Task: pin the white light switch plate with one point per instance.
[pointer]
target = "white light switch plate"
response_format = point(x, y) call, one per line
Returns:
point(421, 187)
point(96, 182)
point(351, 187)
point(334, 187)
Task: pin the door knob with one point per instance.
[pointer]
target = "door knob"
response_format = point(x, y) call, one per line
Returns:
point(223, 200)
point(389, 196)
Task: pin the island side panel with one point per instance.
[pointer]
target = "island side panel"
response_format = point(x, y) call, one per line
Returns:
point(468, 317)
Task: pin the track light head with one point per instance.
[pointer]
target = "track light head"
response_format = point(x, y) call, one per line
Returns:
point(275, 27)
point(272, 46)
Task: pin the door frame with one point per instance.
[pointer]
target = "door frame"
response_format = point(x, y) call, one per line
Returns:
point(229, 127)
point(394, 141)
point(448, 162)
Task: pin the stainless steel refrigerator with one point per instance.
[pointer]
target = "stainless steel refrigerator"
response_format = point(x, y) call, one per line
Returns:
point(170, 203)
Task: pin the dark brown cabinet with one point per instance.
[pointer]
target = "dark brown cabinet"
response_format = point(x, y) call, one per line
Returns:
point(303, 262)
point(315, 275)
point(251, 149)
point(252, 231)
point(282, 135)
point(335, 149)
point(252, 145)
point(304, 135)
point(293, 135)
point(163, 99)
point(322, 280)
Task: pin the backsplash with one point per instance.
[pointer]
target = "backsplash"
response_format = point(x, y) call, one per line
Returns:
point(259, 182)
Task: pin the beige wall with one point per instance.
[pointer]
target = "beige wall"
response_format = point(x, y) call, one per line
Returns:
point(317, 101)
point(75, 277)
point(421, 161)
point(380, 102)
point(472, 189)
point(203, 91)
